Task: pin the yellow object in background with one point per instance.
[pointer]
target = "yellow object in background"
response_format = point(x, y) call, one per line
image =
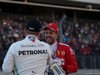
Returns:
point(25, 1)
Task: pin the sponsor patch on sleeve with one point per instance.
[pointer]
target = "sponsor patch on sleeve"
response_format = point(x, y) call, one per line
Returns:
point(72, 52)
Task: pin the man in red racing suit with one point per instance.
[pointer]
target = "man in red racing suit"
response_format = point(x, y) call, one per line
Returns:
point(67, 57)
point(60, 51)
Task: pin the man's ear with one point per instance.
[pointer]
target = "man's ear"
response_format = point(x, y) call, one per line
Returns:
point(57, 34)
point(38, 33)
point(26, 31)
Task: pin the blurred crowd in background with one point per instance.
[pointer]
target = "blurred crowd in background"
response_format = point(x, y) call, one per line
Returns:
point(83, 36)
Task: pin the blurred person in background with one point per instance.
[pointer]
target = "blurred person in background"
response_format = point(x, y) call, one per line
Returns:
point(95, 47)
point(1, 46)
point(82, 50)
point(61, 53)
point(86, 50)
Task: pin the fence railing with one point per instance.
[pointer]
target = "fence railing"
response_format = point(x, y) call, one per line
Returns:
point(88, 61)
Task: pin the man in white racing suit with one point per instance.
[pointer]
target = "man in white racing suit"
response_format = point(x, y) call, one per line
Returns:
point(29, 56)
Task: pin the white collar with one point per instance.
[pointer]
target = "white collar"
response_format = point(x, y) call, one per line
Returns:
point(31, 38)
point(55, 44)
point(53, 47)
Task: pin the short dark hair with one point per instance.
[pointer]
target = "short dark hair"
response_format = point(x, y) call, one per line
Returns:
point(34, 25)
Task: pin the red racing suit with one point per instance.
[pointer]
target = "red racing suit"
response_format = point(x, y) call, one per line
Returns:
point(67, 56)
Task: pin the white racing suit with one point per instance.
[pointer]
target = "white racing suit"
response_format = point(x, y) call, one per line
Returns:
point(29, 56)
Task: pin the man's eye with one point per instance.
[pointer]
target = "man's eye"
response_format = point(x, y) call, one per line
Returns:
point(46, 32)
point(51, 33)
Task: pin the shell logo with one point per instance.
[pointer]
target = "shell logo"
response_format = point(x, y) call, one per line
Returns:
point(58, 52)
point(50, 24)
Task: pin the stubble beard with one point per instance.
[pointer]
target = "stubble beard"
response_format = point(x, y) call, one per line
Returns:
point(50, 40)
